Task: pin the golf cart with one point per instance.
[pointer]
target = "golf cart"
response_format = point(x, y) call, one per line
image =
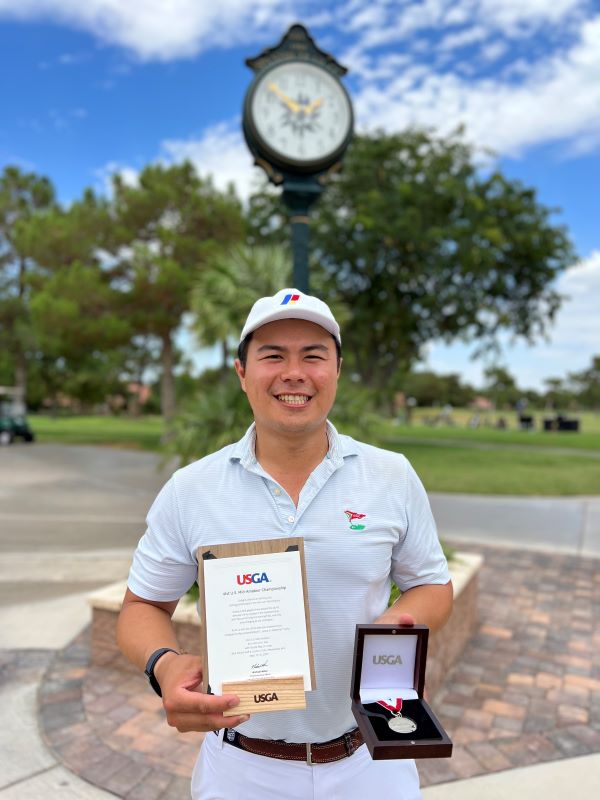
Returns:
point(13, 422)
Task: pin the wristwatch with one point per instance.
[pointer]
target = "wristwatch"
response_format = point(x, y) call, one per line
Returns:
point(149, 671)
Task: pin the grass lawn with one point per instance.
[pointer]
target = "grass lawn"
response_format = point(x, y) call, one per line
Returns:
point(143, 433)
point(488, 460)
point(518, 440)
point(512, 472)
point(448, 459)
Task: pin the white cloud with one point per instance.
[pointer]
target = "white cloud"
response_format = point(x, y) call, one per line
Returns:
point(220, 152)
point(511, 14)
point(578, 322)
point(161, 29)
point(104, 176)
point(168, 29)
point(72, 59)
point(384, 22)
point(453, 41)
point(494, 50)
point(558, 99)
point(573, 340)
point(371, 16)
point(395, 49)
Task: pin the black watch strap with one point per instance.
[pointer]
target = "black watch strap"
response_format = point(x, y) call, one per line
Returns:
point(149, 671)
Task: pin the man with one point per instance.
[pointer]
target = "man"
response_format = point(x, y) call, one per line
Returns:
point(291, 475)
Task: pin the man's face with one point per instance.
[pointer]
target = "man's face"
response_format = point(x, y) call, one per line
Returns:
point(290, 376)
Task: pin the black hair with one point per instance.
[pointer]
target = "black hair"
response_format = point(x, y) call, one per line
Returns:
point(242, 351)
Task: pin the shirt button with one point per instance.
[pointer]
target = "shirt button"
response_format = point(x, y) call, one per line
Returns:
point(290, 519)
point(277, 492)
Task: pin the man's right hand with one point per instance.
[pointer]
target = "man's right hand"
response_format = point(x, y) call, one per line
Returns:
point(187, 708)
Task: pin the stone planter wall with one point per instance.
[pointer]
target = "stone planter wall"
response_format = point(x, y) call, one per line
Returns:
point(106, 604)
point(444, 646)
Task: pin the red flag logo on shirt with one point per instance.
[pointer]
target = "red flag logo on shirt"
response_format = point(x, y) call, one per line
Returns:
point(352, 516)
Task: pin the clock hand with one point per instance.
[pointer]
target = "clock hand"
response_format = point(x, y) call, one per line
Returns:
point(291, 104)
point(314, 105)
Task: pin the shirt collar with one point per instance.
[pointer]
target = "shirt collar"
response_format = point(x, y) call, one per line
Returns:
point(340, 447)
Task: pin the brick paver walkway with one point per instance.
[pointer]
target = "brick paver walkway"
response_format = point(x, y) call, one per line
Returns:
point(526, 690)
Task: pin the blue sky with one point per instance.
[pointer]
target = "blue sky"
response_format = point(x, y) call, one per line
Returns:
point(97, 86)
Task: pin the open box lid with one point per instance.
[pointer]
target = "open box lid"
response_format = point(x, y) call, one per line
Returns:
point(389, 661)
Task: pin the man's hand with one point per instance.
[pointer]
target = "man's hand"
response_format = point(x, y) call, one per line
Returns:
point(143, 627)
point(386, 619)
point(186, 707)
point(430, 604)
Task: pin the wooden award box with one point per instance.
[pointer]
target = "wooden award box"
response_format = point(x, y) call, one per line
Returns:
point(389, 663)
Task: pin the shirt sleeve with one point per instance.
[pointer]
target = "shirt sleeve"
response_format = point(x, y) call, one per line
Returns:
point(163, 567)
point(418, 557)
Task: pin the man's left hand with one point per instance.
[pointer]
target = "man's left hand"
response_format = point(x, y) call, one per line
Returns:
point(429, 605)
point(390, 618)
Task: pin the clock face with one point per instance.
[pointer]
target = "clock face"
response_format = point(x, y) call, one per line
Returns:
point(301, 113)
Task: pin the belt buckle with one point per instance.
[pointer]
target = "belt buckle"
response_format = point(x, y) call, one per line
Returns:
point(309, 760)
point(349, 744)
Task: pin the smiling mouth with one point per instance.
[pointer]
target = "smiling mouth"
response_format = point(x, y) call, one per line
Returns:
point(293, 399)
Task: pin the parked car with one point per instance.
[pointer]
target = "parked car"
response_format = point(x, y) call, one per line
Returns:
point(13, 422)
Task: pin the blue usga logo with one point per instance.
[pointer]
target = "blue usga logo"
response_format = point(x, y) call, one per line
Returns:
point(256, 577)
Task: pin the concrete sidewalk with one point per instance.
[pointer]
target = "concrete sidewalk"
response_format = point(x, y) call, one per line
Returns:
point(569, 525)
point(50, 559)
point(28, 769)
point(69, 519)
point(554, 781)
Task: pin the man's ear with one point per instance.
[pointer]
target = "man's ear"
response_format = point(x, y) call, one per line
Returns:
point(241, 373)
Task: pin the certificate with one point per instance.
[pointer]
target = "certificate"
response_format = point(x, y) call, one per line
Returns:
point(256, 630)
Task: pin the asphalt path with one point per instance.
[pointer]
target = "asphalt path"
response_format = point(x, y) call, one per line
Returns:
point(70, 518)
point(74, 498)
point(73, 514)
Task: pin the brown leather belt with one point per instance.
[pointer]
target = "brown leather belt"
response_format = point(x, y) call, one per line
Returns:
point(322, 753)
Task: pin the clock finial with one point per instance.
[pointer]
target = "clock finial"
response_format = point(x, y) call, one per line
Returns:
point(297, 43)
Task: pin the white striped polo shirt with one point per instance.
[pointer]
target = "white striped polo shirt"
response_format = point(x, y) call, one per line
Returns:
point(228, 497)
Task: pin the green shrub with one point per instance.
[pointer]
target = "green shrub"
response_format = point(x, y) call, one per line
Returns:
point(217, 416)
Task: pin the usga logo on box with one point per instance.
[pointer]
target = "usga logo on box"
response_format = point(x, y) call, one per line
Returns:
point(387, 659)
point(256, 577)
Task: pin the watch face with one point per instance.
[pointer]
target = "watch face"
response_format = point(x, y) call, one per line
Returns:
point(300, 112)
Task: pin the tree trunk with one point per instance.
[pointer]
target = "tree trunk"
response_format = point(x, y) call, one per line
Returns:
point(21, 374)
point(19, 357)
point(167, 384)
point(224, 357)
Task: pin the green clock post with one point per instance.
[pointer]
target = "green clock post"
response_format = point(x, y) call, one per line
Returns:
point(297, 122)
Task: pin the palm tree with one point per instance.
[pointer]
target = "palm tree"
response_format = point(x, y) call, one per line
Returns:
point(225, 292)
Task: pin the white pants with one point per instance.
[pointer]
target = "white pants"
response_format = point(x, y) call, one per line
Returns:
point(224, 772)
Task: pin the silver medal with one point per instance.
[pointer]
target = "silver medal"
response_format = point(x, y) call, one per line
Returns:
point(402, 724)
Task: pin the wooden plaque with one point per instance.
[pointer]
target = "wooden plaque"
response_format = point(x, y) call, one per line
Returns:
point(271, 692)
point(275, 694)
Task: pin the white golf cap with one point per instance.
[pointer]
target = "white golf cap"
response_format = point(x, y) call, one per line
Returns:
point(291, 304)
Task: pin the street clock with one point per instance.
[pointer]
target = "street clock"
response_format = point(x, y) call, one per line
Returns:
point(297, 116)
